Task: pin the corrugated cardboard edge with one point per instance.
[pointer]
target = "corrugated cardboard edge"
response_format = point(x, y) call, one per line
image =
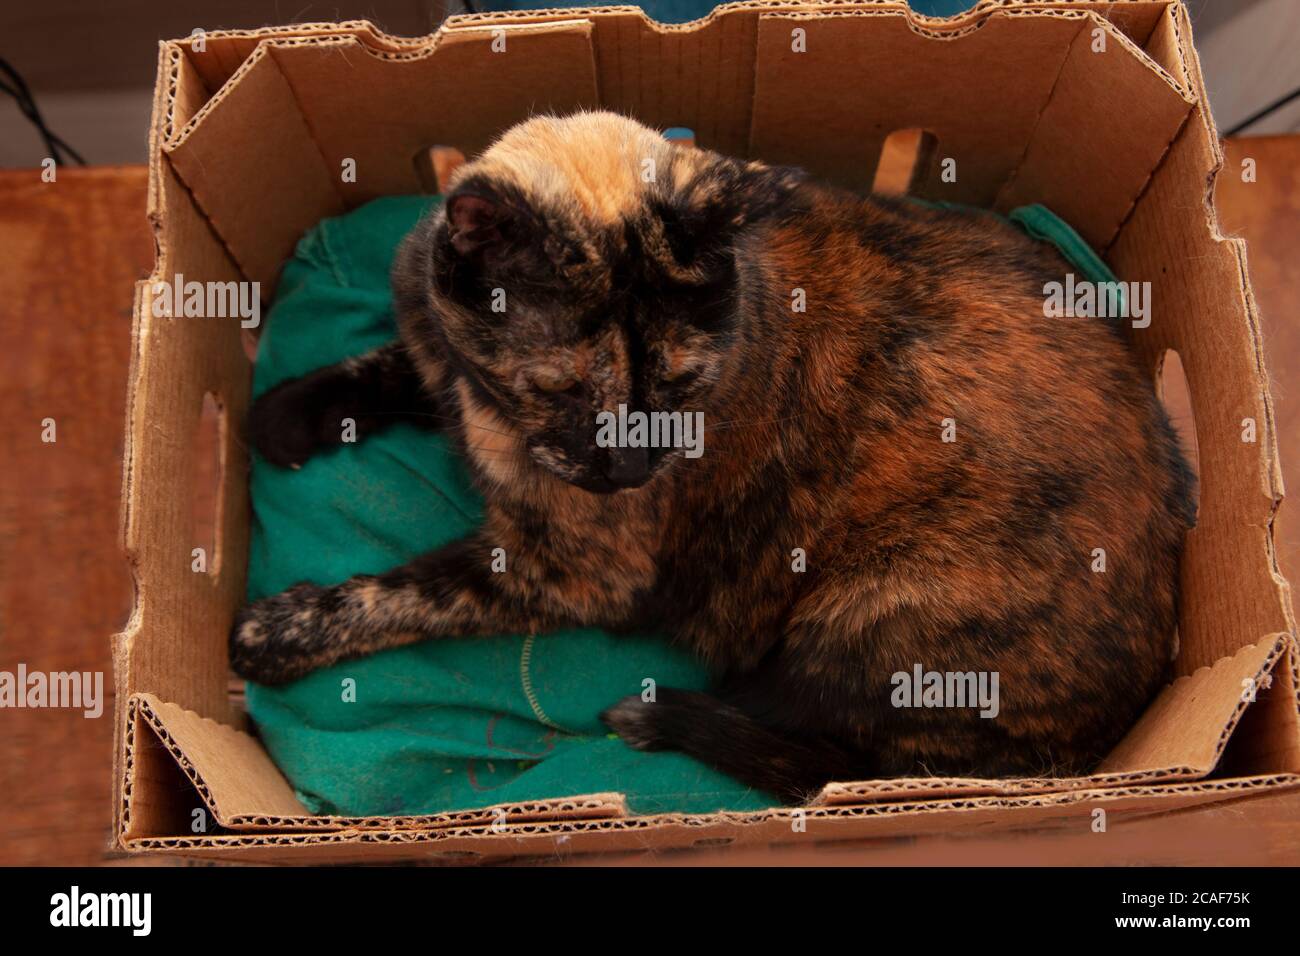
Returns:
point(1136, 22)
point(776, 826)
point(1133, 28)
point(1232, 684)
point(362, 36)
point(243, 790)
point(256, 48)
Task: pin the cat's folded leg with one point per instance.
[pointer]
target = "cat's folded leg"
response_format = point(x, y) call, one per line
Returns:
point(344, 402)
point(456, 591)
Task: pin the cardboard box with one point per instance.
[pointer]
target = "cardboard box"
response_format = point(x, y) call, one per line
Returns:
point(1096, 109)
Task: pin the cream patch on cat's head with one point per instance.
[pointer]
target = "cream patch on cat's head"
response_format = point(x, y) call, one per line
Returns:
point(597, 161)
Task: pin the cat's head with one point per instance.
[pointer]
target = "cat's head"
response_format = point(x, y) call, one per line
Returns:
point(583, 263)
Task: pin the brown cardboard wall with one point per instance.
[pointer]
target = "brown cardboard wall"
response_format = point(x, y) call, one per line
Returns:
point(175, 642)
point(805, 114)
point(1109, 120)
point(1231, 588)
point(255, 131)
point(462, 91)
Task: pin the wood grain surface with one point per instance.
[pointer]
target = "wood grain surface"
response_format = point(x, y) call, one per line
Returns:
point(72, 251)
point(1266, 213)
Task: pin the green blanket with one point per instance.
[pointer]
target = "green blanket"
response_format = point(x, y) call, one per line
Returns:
point(445, 724)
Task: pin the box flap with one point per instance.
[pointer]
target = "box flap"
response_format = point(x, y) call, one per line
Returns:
point(1179, 729)
point(777, 826)
point(1201, 307)
point(1181, 736)
point(241, 788)
point(231, 772)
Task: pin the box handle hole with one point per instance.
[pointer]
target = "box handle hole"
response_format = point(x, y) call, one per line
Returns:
point(1176, 396)
point(434, 167)
point(209, 465)
point(904, 161)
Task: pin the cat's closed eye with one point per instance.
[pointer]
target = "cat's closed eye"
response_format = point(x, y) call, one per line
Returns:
point(680, 365)
point(553, 382)
point(680, 377)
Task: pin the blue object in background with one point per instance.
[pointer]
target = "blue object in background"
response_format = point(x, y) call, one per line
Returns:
point(940, 8)
point(680, 11)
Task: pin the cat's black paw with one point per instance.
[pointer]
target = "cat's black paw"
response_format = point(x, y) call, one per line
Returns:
point(298, 418)
point(280, 638)
point(637, 722)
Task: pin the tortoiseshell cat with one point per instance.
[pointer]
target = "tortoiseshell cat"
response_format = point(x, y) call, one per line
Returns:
point(825, 431)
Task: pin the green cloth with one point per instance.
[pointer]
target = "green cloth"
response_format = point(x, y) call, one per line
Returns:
point(1043, 224)
point(444, 724)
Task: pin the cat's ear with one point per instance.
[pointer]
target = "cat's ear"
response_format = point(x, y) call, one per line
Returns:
point(477, 222)
point(718, 198)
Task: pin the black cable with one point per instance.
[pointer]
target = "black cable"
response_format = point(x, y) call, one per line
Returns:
point(27, 103)
point(55, 146)
point(25, 108)
point(1256, 117)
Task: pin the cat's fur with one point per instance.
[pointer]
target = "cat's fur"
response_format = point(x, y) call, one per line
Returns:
point(823, 432)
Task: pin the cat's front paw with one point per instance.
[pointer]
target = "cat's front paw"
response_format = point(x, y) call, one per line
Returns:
point(298, 418)
point(280, 638)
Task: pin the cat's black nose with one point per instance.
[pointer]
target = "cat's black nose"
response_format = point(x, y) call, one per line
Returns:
point(628, 467)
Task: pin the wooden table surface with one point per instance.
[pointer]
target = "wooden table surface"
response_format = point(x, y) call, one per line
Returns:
point(72, 251)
